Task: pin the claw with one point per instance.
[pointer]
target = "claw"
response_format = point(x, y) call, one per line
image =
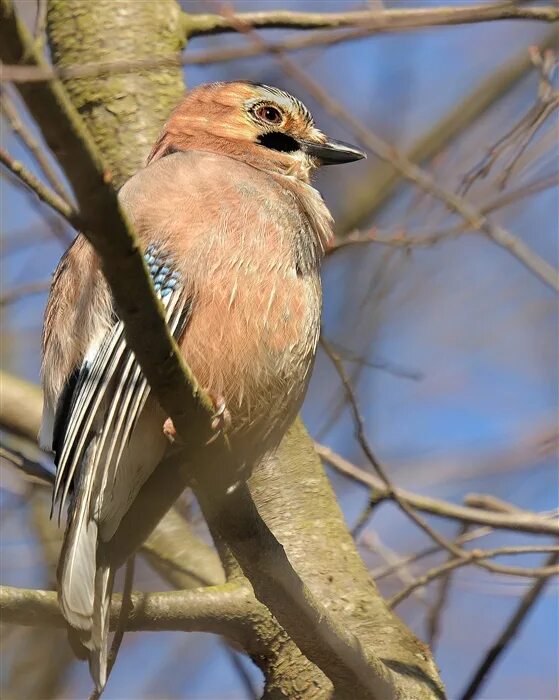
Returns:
point(169, 430)
point(221, 419)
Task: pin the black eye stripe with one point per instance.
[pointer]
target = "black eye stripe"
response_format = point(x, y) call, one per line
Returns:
point(279, 142)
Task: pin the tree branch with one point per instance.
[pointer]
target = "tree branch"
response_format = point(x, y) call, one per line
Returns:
point(336, 576)
point(520, 522)
point(320, 636)
point(217, 609)
point(45, 194)
point(383, 20)
point(479, 555)
point(163, 61)
point(428, 238)
point(392, 492)
point(475, 219)
point(23, 290)
point(179, 556)
point(9, 110)
point(185, 561)
point(120, 252)
point(508, 634)
point(380, 182)
point(20, 406)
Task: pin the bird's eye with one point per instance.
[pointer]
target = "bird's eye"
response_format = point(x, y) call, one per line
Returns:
point(269, 114)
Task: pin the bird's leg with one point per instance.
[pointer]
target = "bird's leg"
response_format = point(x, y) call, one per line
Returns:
point(221, 419)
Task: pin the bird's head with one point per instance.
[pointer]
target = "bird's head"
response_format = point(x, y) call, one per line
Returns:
point(260, 125)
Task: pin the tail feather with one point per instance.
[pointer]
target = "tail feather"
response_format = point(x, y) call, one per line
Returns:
point(85, 583)
point(76, 569)
point(89, 636)
point(99, 641)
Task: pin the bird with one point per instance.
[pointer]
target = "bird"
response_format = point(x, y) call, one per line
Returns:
point(233, 233)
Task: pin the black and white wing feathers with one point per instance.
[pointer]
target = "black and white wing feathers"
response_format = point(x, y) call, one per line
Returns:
point(107, 394)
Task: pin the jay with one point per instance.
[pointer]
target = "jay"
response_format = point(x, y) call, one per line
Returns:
point(233, 234)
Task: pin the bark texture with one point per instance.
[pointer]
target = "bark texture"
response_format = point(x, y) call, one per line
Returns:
point(124, 112)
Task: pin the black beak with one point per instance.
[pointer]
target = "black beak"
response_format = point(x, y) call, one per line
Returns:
point(332, 152)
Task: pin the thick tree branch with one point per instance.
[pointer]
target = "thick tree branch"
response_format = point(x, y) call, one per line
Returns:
point(349, 665)
point(217, 609)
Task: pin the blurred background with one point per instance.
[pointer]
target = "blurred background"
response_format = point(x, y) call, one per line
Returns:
point(449, 341)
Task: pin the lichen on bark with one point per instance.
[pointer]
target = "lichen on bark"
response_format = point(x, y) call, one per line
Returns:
point(124, 111)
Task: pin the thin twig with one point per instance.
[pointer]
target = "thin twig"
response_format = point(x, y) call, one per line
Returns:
point(376, 186)
point(9, 110)
point(477, 556)
point(525, 522)
point(392, 493)
point(373, 543)
point(526, 604)
point(519, 137)
point(436, 609)
point(489, 502)
point(384, 365)
point(427, 552)
point(383, 20)
point(420, 177)
point(45, 194)
point(429, 238)
point(40, 24)
point(55, 225)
